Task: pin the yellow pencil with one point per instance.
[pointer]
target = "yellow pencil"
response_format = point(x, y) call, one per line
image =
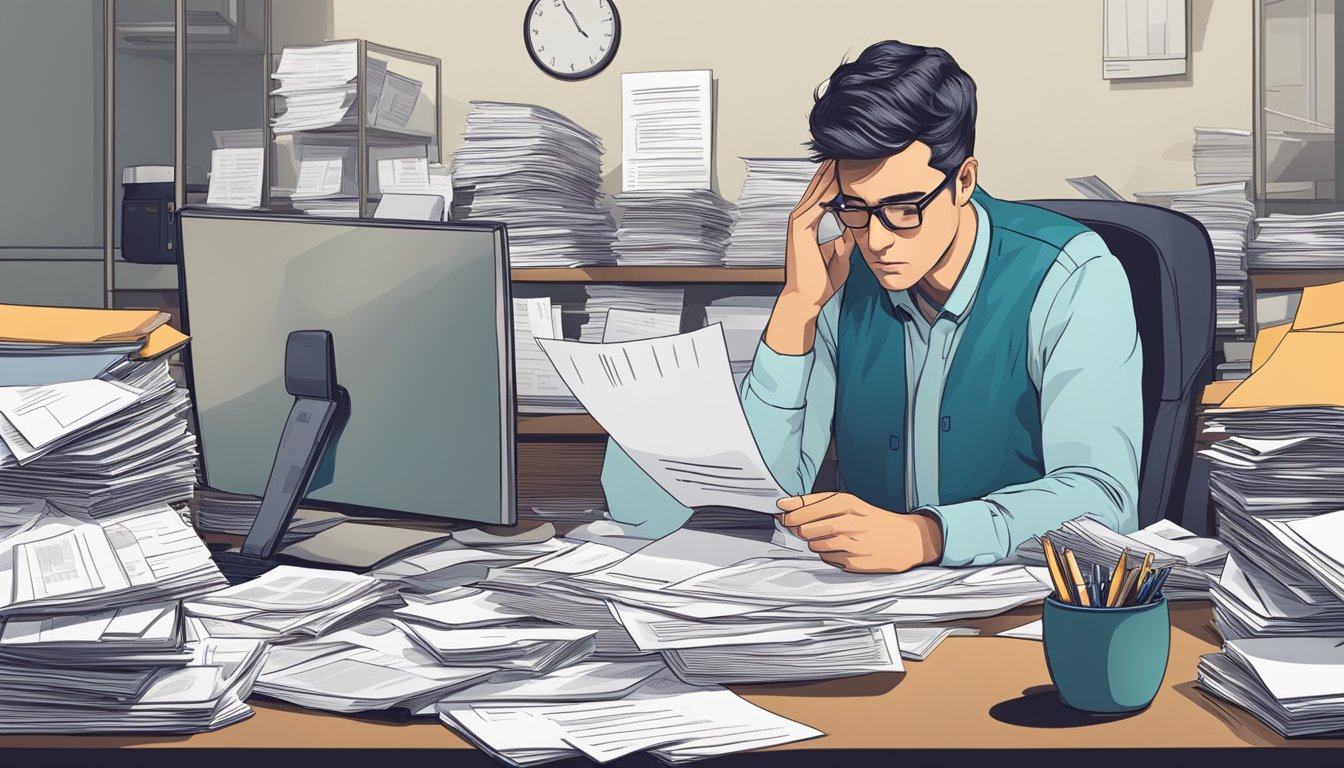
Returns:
point(1056, 570)
point(1076, 576)
point(1144, 571)
point(1113, 593)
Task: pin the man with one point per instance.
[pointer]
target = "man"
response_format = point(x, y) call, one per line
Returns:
point(978, 358)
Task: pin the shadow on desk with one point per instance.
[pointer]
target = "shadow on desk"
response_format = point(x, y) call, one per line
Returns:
point(1041, 707)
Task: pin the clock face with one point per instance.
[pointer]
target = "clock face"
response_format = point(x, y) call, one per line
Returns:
point(572, 39)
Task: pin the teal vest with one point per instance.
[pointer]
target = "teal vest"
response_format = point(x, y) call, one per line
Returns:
point(990, 421)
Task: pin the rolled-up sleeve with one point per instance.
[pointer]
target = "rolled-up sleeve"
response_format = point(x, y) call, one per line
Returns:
point(1085, 357)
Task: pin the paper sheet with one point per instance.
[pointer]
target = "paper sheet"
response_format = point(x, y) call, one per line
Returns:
point(667, 129)
point(235, 178)
point(629, 325)
point(695, 443)
point(43, 415)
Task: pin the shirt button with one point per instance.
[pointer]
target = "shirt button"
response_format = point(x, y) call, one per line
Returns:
point(895, 442)
point(947, 424)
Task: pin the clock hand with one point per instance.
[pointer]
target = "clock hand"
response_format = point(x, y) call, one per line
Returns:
point(571, 18)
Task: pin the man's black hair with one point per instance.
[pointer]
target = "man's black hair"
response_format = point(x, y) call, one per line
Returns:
point(893, 94)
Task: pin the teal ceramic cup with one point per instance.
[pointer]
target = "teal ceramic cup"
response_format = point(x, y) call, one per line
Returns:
point(1106, 660)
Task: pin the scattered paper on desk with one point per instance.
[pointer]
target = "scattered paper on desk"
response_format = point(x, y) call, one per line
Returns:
point(235, 178)
point(671, 405)
point(1028, 631)
point(678, 722)
point(667, 129)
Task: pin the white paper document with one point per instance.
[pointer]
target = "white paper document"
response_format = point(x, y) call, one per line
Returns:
point(42, 415)
point(670, 404)
point(678, 722)
point(667, 123)
point(628, 325)
point(235, 178)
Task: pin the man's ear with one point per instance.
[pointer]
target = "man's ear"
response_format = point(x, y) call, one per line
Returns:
point(966, 179)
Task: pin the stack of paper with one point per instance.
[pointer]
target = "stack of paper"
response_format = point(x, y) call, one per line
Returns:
point(770, 193)
point(537, 650)
point(1194, 561)
point(317, 86)
point(744, 319)
point(1307, 241)
point(561, 482)
point(540, 173)
point(663, 302)
point(53, 345)
point(370, 666)
point(290, 601)
point(241, 138)
point(1295, 685)
point(537, 386)
point(100, 446)
point(1278, 489)
point(1222, 155)
point(672, 228)
point(68, 564)
point(453, 564)
point(676, 722)
point(732, 609)
point(840, 653)
point(585, 681)
point(1226, 212)
point(147, 635)
point(204, 693)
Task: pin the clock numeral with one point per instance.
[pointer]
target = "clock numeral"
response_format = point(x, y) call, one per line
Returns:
point(535, 31)
point(607, 35)
point(540, 48)
point(592, 60)
point(602, 48)
point(552, 61)
point(557, 3)
point(538, 13)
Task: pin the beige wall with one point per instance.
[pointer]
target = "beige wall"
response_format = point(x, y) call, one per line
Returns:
point(1045, 112)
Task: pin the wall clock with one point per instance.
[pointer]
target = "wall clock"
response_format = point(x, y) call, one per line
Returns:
point(572, 39)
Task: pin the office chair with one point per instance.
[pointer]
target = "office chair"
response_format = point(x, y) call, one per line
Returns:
point(1169, 261)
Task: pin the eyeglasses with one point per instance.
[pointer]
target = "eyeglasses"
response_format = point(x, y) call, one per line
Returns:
point(894, 216)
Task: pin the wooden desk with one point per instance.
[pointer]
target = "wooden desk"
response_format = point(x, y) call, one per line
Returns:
point(972, 693)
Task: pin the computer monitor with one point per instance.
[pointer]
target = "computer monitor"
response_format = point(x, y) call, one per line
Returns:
point(420, 316)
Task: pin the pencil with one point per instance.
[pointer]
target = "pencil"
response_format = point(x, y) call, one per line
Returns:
point(1118, 576)
point(1145, 570)
point(1056, 570)
point(1076, 576)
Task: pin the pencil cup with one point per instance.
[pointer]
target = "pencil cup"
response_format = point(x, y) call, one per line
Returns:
point(1106, 660)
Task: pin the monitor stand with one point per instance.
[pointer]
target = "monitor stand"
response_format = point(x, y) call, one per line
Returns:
point(320, 411)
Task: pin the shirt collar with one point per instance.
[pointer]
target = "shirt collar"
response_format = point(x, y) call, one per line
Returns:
point(963, 293)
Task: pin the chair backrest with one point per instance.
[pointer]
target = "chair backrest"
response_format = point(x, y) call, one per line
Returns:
point(1169, 261)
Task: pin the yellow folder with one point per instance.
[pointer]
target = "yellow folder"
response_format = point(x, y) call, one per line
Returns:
point(63, 325)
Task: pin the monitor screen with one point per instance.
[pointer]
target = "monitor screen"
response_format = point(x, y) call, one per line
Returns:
point(419, 315)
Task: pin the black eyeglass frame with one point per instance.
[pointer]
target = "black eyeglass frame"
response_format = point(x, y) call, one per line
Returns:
point(839, 204)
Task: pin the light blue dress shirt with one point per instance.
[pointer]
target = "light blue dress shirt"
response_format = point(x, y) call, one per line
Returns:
point(1083, 356)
